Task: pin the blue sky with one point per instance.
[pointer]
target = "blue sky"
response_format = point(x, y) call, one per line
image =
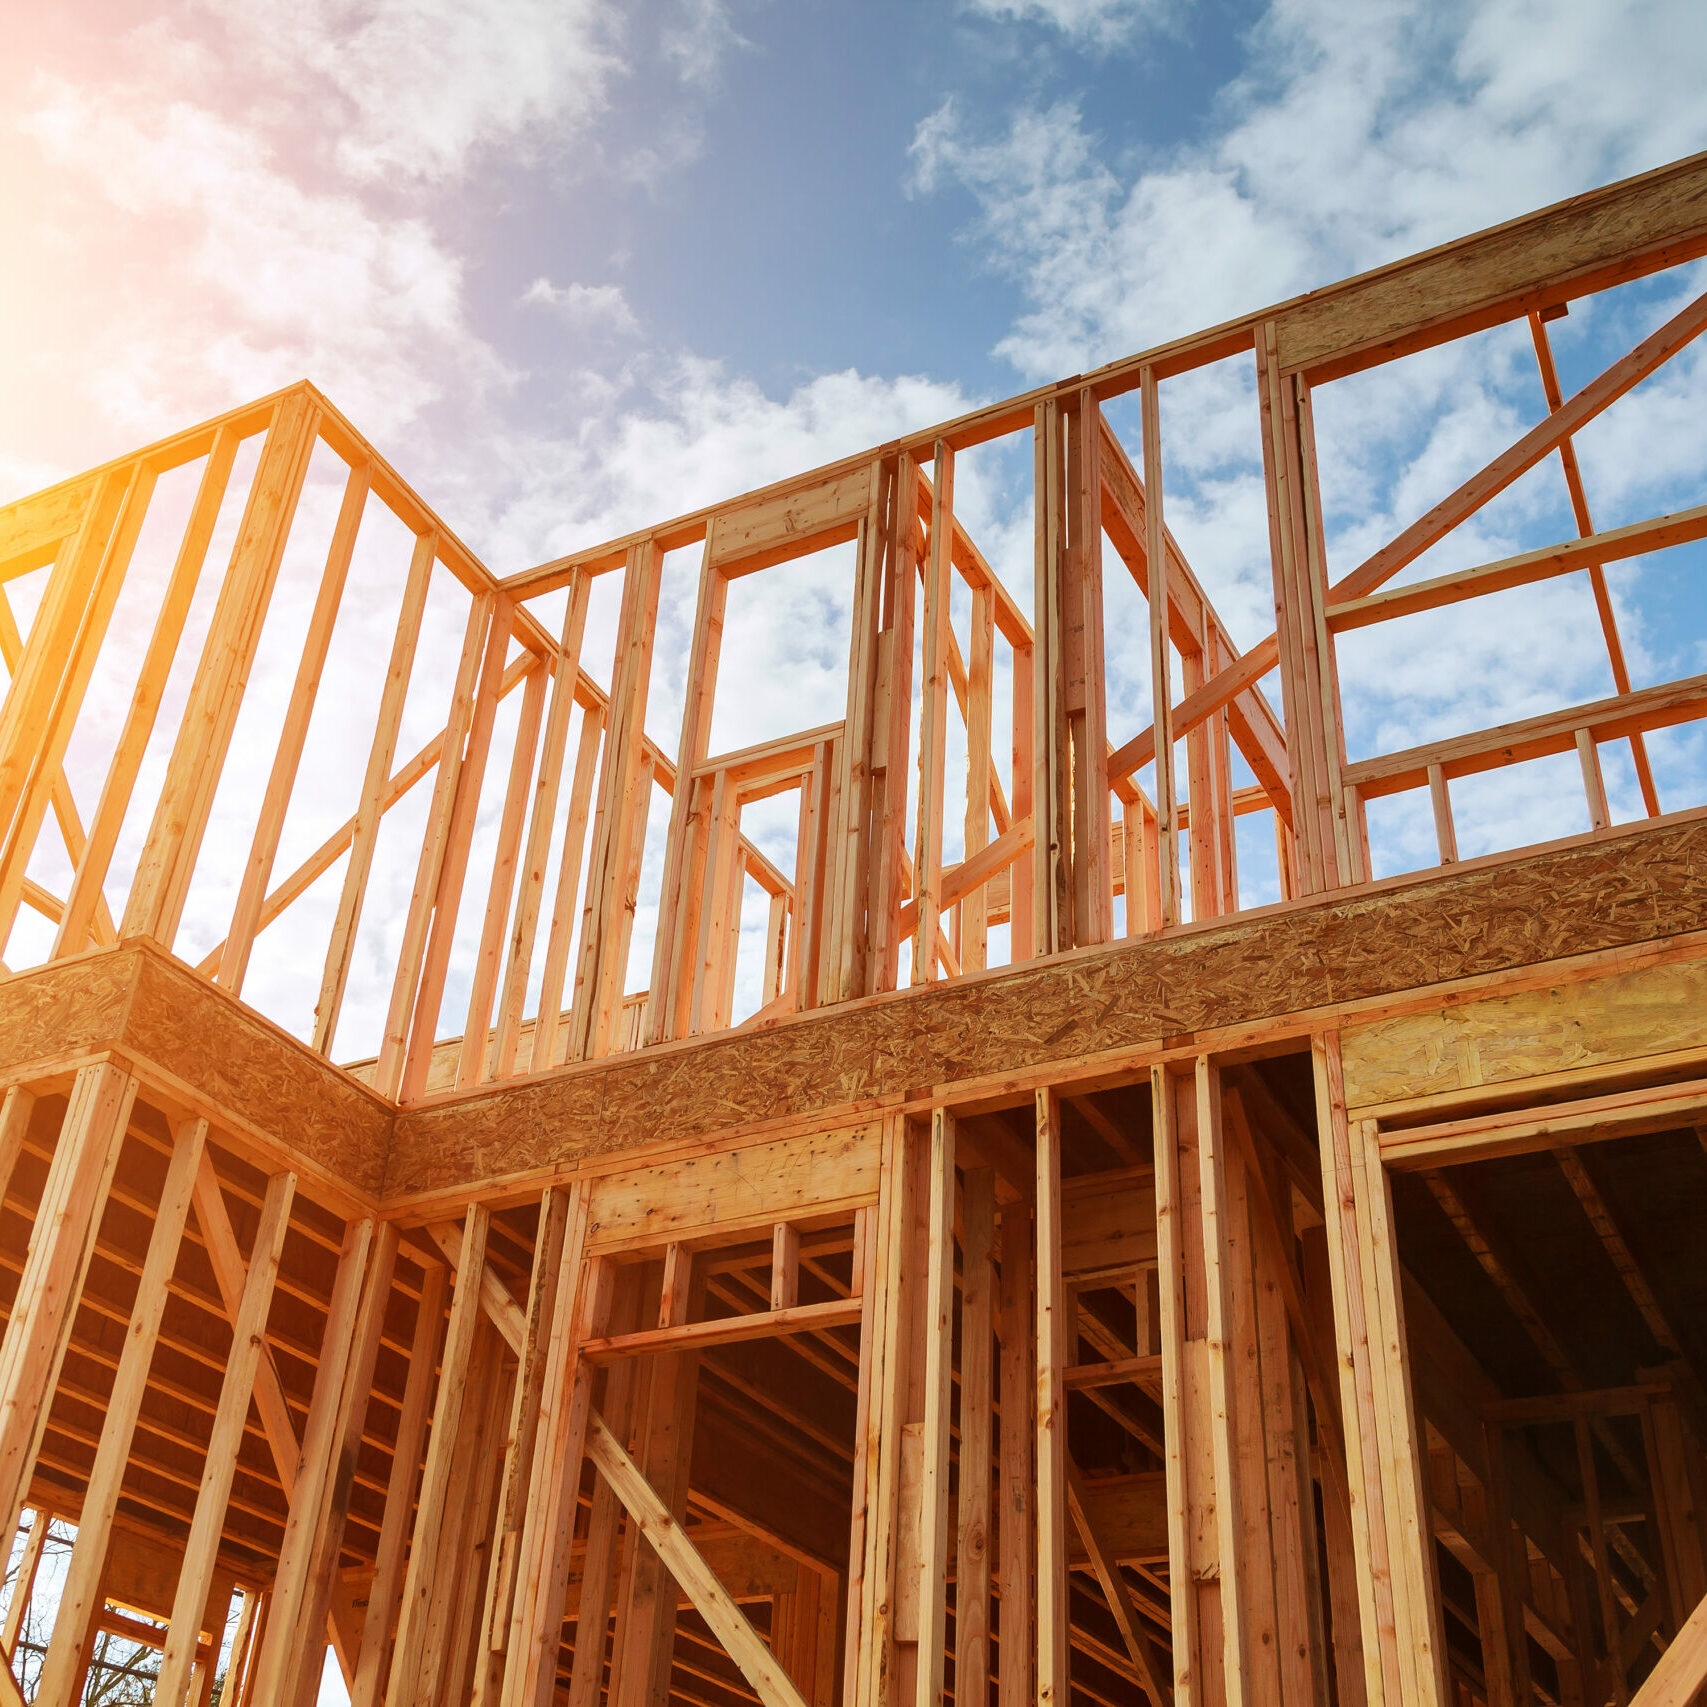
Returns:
point(575, 266)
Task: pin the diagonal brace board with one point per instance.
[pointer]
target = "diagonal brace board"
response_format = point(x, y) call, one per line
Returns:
point(687, 1565)
point(230, 1272)
point(1681, 1670)
point(507, 1315)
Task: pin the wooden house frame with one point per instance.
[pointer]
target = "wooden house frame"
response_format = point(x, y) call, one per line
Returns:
point(1213, 1303)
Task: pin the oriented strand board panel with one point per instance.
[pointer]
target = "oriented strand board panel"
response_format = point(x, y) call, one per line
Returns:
point(266, 1082)
point(141, 1570)
point(70, 1009)
point(1130, 1514)
point(1635, 887)
point(1637, 226)
point(696, 1197)
point(1651, 1011)
point(493, 1135)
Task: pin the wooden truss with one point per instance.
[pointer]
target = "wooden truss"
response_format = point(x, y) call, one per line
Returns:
point(1066, 1281)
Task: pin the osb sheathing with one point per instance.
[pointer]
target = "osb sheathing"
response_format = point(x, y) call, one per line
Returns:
point(1629, 889)
point(1635, 887)
point(74, 1008)
point(184, 1037)
point(211, 1043)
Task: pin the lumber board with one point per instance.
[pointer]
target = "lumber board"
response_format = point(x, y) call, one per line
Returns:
point(1542, 258)
point(1591, 551)
point(1621, 231)
point(32, 529)
point(1050, 1401)
point(68, 1009)
point(1628, 1016)
point(1015, 1577)
point(253, 1072)
point(748, 1567)
point(807, 517)
point(696, 1197)
point(1108, 1223)
point(974, 1507)
point(726, 1330)
point(89, 1572)
point(1571, 975)
point(1619, 716)
point(935, 1384)
point(689, 1568)
point(1682, 1668)
point(1636, 886)
point(61, 1246)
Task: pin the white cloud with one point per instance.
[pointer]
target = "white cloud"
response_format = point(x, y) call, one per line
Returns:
point(235, 197)
point(251, 281)
point(1369, 129)
point(263, 202)
point(699, 38)
point(217, 227)
point(1109, 266)
point(588, 308)
point(686, 433)
point(1098, 23)
point(429, 83)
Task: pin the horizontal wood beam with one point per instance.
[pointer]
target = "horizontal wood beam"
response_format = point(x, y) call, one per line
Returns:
point(1591, 551)
point(1532, 448)
point(1536, 261)
point(1618, 1113)
point(788, 754)
point(1611, 719)
point(1566, 1407)
point(1115, 1373)
point(1243, 981)
point(727, 1330)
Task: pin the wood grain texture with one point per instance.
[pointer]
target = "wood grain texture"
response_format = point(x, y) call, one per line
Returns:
point(1635, 225)
point(31, 529)
point(1631, 888)
point(749, 1188)
point(1620, 231)
point(1654, 1010)
point(807, 517)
